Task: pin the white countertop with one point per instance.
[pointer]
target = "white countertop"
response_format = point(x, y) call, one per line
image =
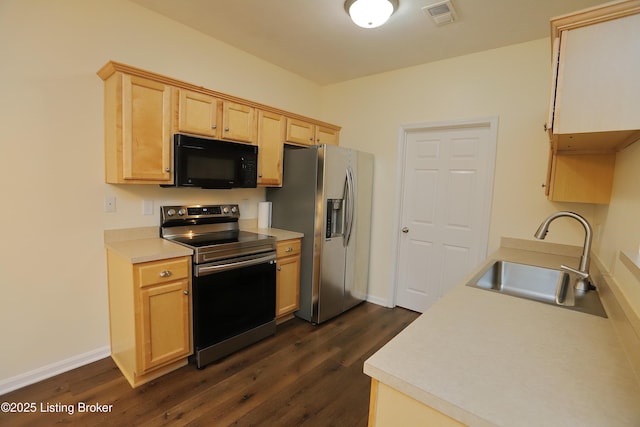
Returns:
point(279, 234)
point(151, 249)
point(488, 359)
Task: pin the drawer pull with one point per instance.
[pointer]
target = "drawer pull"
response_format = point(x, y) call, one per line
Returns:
point(186, 292)
point(165, 273)
point(289, 249)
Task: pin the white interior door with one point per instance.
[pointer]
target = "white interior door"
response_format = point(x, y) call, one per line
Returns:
point(446, 189)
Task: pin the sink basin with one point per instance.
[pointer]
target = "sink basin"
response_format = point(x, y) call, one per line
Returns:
point(546, 285)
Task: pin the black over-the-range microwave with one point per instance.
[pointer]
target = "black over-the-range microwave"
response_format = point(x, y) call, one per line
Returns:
point(211, 163)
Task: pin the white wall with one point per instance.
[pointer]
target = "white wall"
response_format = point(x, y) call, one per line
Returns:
point(621, 221)
point(511, 83)
point(52, 261)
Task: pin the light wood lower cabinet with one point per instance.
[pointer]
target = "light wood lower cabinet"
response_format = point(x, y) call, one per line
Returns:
point(287, 278)
point(390, 408)
point(150, 316)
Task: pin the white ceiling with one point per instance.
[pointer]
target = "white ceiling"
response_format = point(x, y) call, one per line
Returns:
point(317, 40)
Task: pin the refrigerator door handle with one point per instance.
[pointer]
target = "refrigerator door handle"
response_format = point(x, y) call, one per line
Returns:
point(350, 207)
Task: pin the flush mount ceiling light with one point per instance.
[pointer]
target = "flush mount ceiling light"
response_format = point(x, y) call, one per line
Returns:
point(370, 13)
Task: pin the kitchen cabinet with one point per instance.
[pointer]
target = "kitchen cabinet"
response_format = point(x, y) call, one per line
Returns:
point(238, 122)
point(205, 115)
point(144, 109)
point(389, 408)
point(150, 315)
point(326, 135)
point(300, 132)
point(137, 115)
point(198, 113)
point(271, 128)
point(594, 109)
point(287, 278)
point(583, 178)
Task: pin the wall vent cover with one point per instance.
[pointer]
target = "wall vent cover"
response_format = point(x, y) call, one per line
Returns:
point(441, 13)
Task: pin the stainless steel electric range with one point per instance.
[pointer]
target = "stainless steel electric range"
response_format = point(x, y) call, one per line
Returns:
point(234, 278)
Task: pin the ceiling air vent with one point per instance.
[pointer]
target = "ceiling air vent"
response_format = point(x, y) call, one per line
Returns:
point(441, 12)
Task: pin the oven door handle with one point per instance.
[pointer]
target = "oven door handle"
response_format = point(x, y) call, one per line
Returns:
point(233, 265)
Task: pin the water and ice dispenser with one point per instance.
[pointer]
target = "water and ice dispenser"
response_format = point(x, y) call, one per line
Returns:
point(335, 218)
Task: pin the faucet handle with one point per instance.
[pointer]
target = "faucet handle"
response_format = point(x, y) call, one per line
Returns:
point(582, 274)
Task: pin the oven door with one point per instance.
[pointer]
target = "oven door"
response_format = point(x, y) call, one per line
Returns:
point(232, 297)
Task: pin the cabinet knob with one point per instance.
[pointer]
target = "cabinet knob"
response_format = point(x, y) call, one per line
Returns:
point(405, 230)
point(546, 128)
point(167, 169)
point(289, 249)
point(311, 139)
point(165, 273)
point(214, 127)
point(279, 268)
point(186, 292)
point(226, 129)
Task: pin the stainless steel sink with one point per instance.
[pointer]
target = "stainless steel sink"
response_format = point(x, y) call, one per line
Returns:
point(546, 285)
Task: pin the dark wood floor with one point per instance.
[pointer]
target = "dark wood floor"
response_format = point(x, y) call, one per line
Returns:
point(304, 375)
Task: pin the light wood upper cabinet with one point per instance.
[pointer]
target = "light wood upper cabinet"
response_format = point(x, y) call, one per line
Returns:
point(238, 122)
point(138, 142)
point(594, 107)
point(595, 89)
point(300, 132)
point(271, 129)
point(198, 113)
point(144, 109)
point(326, 135)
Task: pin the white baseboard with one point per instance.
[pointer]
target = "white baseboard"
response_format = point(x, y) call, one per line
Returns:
point(379, 301)
point(53, 369)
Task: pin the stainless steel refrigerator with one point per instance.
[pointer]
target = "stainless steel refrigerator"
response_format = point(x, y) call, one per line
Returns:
point(326, 194)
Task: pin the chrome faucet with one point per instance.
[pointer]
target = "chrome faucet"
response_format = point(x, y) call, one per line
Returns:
point(583, 270)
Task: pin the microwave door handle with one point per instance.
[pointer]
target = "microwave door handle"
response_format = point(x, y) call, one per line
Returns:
point(193, 147)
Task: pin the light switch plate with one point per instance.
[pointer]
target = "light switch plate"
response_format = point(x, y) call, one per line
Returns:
point(147, 207)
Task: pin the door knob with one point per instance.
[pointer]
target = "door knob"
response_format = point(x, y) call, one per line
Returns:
point(405, 230)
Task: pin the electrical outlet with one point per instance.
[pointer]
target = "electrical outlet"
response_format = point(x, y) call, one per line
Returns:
point(147, 207)
point(110, 204)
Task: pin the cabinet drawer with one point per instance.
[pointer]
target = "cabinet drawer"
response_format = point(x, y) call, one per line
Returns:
point(154, 272)
point(288, 248)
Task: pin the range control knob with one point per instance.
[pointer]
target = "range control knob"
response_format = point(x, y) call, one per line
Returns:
point(234, 209)
point(171, 212)
point(181, 212)
point(225, 210)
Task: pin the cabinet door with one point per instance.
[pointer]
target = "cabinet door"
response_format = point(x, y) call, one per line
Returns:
point(146, 127)
point(198, 114)
point(598, 84)
point(271, 129)
point(300, 132)
point(325, 135)
point(288, 285)
point(164, 324)
point(583, 178)
point(239, 122)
